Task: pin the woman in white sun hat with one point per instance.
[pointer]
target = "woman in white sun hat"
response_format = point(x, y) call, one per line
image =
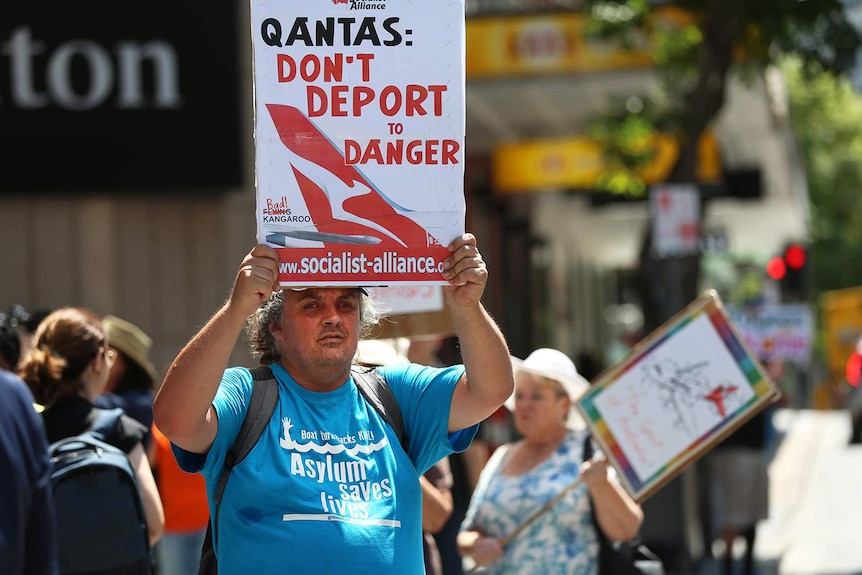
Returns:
point(523, 476)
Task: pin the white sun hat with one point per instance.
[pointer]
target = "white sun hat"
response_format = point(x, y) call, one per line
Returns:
point(554, 364)
point(389, 351)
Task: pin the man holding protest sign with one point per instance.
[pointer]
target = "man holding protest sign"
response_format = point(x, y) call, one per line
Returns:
point(359, 169)
point(326, 486)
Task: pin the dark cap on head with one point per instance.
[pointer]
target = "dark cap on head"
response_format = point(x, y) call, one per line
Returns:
point(362, 289)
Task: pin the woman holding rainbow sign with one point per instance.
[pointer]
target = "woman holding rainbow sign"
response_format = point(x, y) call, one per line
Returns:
point(525, 476)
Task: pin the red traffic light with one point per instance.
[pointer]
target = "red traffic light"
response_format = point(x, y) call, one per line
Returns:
point(853, 369)
point(794, 256)
point(776, 269)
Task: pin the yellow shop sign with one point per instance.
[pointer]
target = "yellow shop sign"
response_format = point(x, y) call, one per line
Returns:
point(576, 163)
point(553, 44)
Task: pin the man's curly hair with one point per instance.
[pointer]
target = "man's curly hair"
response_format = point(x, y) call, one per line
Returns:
point(261, 342)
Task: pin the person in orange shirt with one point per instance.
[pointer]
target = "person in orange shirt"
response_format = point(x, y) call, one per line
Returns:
point(186, 512)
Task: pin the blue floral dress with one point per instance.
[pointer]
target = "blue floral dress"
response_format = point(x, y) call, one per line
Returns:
point(562, 541)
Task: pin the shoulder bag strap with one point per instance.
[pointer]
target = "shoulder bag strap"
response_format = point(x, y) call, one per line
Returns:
point(376, 391)
point(264, 396)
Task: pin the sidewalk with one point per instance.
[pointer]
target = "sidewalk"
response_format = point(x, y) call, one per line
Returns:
point(815, 516)
point(816, 498)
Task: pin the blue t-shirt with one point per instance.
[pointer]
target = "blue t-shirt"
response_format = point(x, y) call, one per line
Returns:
point(328, 487)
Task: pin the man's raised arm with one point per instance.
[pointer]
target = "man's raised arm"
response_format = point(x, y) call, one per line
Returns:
point(488, 380)
point(183, 405)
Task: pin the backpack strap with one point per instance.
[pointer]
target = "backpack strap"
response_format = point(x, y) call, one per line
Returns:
point(377, 392)
point(264, 396)
point(106, 423)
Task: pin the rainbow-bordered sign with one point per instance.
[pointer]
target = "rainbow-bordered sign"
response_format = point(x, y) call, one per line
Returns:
point(676, 394)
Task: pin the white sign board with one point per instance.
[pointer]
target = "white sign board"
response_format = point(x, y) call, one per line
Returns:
point(359, 138)
point(408, 299)
point(675, 212)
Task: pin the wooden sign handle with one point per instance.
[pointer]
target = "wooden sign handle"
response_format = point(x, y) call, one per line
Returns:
point(532, 518)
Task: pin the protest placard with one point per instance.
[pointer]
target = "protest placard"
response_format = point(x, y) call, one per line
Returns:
point(677, 394)
point(776, 331)
point(359, 138)
point(408, 299)
point(411, 311)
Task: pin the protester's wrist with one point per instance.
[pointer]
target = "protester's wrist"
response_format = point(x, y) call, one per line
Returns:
point(598, 482)
point(234, 312)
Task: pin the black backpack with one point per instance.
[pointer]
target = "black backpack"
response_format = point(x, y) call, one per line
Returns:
point(100, 517)
point(264, 395)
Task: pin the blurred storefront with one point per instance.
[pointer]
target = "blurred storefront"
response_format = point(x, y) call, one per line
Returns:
point(568, 253)
point(535, 81)
point(126, 183)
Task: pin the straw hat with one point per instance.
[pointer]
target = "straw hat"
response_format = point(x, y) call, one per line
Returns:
point(132, 341)
point(554, 364)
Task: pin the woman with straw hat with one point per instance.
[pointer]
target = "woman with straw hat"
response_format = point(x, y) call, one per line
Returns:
point(133, 379)
point(522, 477)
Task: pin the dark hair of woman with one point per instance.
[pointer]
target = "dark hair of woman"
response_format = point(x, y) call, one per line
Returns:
point(65, 343)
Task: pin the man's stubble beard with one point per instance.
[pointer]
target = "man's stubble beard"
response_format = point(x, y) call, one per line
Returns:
point(328, 356)
point(344, 358)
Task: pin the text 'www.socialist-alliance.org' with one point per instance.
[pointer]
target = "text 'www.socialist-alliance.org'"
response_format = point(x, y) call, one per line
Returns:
point(348, 263)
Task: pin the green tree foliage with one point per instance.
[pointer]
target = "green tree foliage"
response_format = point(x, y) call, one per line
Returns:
point(827, 119)
point(694, 63)
point(726, 36)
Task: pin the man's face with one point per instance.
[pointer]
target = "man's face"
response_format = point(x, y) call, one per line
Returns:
point(319, 328)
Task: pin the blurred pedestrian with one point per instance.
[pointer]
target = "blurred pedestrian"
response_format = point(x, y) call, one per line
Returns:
point(27, 328)
point(27, 534)
point(425, 350)
point(589, 363)
point(739, 469)
point(436, 483)
point(21, 324)
point(184, 499)
point(10, 344)
point(133, 378)
point(288, 501)
point(524, 476)
point(853, 400)
point(66, 370)
point(464, 467)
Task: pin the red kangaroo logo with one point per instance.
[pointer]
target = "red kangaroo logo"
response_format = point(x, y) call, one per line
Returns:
point(340, 199)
